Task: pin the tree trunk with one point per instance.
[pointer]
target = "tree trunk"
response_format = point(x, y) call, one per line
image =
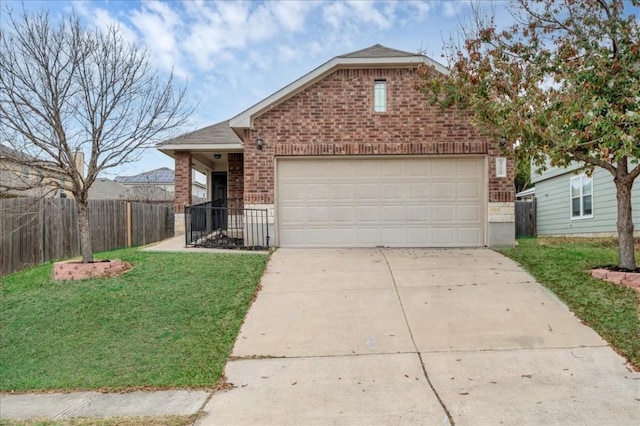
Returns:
point(85, 234)
point(626, 256)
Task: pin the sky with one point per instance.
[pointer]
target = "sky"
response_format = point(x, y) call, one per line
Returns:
point(233, 54)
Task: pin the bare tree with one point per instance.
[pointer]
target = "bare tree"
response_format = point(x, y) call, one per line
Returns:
point(66, 89)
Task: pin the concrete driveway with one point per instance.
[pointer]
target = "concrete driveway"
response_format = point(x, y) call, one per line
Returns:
point(410, 336)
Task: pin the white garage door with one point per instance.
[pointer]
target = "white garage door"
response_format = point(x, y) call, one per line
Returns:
point(394, 202)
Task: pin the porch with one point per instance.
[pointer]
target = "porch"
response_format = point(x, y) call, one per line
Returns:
point(226, 224)
point(217, 152)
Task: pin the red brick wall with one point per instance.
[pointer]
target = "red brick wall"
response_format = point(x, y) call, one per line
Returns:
point(183, 181)
point(335, 117)
point(235, 179)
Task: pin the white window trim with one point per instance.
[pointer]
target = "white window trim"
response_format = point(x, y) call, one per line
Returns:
point(582, 216)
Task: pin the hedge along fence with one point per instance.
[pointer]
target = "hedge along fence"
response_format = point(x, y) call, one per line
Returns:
point(35, 231)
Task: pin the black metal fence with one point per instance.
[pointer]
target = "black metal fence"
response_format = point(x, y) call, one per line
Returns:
point(213, 224)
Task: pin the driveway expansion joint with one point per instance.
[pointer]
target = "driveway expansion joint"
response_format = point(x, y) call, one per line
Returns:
point(413, 341)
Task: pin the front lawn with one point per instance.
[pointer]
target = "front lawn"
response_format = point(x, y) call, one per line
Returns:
point(169, 322)
point(562, 265)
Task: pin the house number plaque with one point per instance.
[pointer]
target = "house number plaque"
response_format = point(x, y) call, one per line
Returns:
point(501, 167)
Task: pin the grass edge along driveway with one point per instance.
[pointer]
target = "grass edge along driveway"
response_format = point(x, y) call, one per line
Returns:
point(563, 265)
point(170, 322)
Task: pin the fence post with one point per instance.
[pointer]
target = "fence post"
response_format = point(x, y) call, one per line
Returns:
point(129, 238)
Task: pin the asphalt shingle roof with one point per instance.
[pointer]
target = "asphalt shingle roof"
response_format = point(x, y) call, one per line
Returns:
point(216, 134)
point(377, 51)
point(161, 175)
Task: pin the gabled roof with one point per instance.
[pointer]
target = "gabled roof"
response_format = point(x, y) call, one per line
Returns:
point(157, 176)
point(218, 135)
point(377, 51)
point(376, 56)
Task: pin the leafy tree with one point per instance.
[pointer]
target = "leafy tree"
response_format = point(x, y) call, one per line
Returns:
point(65, 89)
point(563, 82)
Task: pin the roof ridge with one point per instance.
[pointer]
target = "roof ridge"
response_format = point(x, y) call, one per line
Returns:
point(379, 50)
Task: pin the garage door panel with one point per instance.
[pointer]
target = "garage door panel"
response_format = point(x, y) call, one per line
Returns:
point(294, 215)
point(420, 214)
point(445, 213)
point(470, 213)
point(418, 168)
point(393, 214)
point(444, 236)
point(368, 237)
point(443, 168)
point(343, 237)
point(317, 214)
point(368, 214)
point(317, 191)
point(443, 191)
point(343, 215)
point(390, 170)
point(417, 202)
point(367, 168)
point(343, 191)
point(468, 191)
point(394, 236)
point(336, 168)
point(294, 191)
point(468, 168)
point(418, 191)
point(417, 236)
point(367, 191)
point(392, 191)
point(469, 236)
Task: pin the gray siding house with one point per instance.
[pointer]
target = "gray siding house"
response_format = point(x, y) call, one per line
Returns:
point(569, 203)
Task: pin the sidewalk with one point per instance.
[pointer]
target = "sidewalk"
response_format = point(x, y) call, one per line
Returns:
point(101, 405)
point(177, 244)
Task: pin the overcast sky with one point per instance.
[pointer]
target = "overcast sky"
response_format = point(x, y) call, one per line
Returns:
point(233, 54)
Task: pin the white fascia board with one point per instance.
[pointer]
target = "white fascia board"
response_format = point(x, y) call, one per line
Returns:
point(202, 147)
point(244, 119)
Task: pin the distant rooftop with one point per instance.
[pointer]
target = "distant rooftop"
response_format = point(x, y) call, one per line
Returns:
point(157, 176)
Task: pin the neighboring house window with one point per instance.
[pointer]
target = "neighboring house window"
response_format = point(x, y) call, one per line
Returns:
point(581, 197)
point(380, 95)
point(25, 171)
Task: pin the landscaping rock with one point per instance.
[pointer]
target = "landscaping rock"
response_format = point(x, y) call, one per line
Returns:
point(76, 270)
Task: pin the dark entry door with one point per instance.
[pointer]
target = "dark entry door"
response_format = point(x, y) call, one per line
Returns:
point(219, 198)
point(219, 193)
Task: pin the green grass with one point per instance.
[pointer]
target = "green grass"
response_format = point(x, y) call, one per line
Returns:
point(562, 265)
point(170, 322)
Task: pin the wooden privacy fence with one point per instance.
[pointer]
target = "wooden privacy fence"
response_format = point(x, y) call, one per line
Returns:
point(526, 218)
point(35, 231)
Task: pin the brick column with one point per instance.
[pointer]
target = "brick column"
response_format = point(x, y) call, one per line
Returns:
point(183, 181)
point(235, 179)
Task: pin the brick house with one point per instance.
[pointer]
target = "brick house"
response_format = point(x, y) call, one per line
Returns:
point(351, 155)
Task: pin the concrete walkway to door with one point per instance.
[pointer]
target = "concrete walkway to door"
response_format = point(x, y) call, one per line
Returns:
point(410, 336)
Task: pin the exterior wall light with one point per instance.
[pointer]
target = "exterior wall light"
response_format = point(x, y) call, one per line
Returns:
point(259, 143)
point(217, 156)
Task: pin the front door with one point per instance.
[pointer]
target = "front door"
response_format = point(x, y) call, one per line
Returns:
point(219, 192)
point(219, 199)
